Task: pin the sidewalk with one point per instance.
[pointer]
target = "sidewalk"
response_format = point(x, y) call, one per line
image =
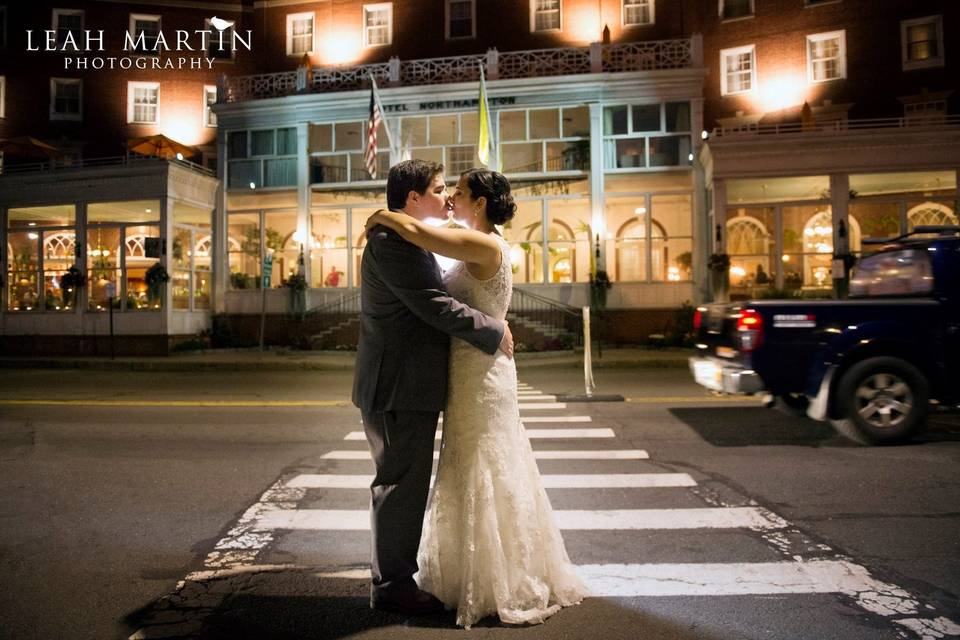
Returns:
point(290, 360)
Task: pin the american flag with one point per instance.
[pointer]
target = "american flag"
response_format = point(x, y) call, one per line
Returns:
point(373, 123)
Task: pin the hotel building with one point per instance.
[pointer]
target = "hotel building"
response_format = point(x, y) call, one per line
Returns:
point(640, 136)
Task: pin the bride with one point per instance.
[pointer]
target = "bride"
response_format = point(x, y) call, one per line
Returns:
point(490, 544)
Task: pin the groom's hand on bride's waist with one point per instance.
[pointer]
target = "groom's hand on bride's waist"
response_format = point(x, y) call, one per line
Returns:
point(506, 343)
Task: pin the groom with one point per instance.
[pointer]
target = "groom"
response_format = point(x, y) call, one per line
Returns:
point(400, 382)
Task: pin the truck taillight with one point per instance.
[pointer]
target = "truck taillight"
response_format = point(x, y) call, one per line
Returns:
point(698, 319)
point(749, 329)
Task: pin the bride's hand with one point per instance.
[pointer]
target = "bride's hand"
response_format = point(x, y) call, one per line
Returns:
point(372, 221)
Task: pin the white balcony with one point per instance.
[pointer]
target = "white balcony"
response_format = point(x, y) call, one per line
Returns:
point(595, 58)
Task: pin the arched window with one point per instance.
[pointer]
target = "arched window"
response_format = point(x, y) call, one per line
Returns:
point(630, 261)
point(136, 246)
point(58, 245)
point(747, 236)
point(930, 213)
point(562, 255)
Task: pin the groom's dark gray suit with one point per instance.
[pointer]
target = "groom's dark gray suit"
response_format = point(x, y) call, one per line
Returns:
point(400, 386)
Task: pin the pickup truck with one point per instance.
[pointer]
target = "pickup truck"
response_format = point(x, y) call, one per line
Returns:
point(871, 364)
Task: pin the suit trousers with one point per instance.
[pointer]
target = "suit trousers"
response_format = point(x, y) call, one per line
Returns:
point(401, 444)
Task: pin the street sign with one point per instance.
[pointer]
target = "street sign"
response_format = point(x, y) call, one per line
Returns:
point(111, 289)
point(267, 269)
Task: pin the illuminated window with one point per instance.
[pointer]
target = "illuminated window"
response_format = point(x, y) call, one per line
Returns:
point(826, 56)
point(642, 136)
point(144, 32)
point(143, 102)
point(209, 98)
point(299, 33)
point(637, 12)
point(544, 140)
point(219, 43)
point(544, 15)
point(922, 42)
point(66, 99)
point(732, 9)
point(377, 24)
point(461, 19)
point(68, 22)
point(739, 69)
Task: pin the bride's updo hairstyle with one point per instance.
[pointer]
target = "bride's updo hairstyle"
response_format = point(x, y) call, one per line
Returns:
point(496, 189)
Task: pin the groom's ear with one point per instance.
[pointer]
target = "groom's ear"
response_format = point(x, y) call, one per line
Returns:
point(412, 197)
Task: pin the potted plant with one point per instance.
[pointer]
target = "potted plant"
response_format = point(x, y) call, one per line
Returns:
point(297, 284)
point(155, 278)
point(719, 266)
point(599, 285)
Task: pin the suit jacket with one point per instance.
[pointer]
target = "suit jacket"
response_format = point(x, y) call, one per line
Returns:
point(406, 321)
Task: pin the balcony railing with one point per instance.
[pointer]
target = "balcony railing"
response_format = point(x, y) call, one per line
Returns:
point(912, 122)
point(595, 58)
point(59, 166)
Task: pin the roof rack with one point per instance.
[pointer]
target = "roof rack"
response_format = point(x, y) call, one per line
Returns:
point(941, 229)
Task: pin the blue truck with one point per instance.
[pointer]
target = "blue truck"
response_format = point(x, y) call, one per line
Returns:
point(874, 364)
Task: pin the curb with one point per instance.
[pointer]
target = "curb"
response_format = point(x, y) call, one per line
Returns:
point(319, 363)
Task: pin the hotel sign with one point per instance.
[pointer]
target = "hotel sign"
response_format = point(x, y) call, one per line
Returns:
point(443, 105)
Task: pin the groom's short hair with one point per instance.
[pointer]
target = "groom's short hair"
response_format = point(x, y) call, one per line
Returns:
point(407, 176)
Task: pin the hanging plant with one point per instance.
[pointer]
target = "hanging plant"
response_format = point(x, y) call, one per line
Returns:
point(718, 262)
point(156, 275)
point(296, 282)
point(73, 278)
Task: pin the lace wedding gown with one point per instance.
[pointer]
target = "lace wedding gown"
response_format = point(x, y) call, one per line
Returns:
point(490, 544)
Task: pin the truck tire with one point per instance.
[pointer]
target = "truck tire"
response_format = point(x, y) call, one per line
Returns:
point(881, 401)
point(792, 404)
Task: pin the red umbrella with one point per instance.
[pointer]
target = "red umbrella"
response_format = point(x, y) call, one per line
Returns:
point(159, 145)
point(29, 147)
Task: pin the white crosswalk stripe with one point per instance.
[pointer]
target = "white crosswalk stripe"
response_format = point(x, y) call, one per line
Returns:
point(552, 419)
point(611, 519)
point(710, 579)
point(584, 481)
point(531, 434)
point(563, 454)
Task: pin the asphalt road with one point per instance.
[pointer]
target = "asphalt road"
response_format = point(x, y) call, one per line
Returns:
point(120, 518)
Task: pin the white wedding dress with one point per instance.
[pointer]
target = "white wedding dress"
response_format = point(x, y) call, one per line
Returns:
point(490, 544)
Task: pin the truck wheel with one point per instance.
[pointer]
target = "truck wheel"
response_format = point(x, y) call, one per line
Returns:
point(881, 401)
point(792, 404)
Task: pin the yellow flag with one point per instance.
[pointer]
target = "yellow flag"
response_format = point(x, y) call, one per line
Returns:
point(483, 124)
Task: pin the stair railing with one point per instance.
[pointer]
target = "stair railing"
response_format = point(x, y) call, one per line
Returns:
point(555, 315)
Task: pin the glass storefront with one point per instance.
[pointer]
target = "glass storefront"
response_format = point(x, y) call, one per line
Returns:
point(41, 246)
point(123, 242)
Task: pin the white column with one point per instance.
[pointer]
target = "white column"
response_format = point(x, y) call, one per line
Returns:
point(220, 260)
point(166, 233)
point(701, 217)
point(719, 239)
point(303, 195)
point(80, 256)
point(839, 205)
point(597, 214)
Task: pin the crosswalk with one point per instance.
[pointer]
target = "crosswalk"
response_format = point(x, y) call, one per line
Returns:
point(289, 507)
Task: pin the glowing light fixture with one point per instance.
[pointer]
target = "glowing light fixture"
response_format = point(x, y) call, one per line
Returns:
point(781, 91)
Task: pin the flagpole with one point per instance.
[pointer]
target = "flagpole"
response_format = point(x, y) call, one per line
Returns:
point(386, 125)
point(485, 145)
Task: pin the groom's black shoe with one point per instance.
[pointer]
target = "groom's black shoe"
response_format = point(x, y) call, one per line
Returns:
point(412, 602)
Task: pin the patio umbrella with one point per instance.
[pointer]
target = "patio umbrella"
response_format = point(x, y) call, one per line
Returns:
point(159, 145)
point(29, 147)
